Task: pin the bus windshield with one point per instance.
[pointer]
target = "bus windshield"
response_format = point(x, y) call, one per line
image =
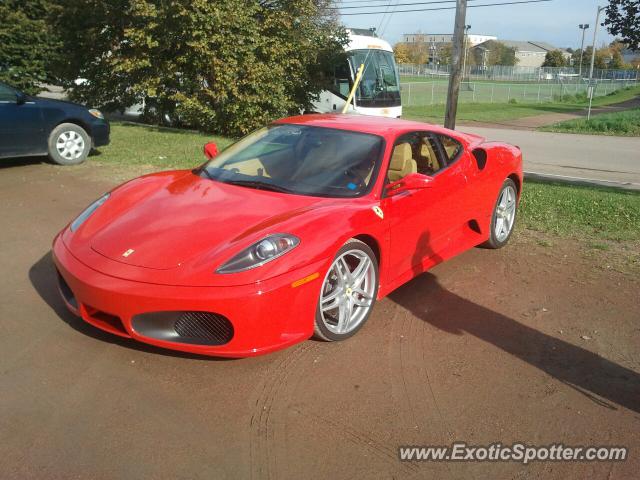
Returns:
point(379, 86)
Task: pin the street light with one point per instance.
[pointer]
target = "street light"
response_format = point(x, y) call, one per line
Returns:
point(464, 62)
point(593, 58)
point(583, 27)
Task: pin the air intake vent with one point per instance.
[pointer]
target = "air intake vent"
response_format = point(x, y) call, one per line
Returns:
point(210, 328)
point(66, 292)
point(481, 157)
point(195, 328)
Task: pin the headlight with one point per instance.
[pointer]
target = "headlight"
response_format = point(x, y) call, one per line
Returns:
point(87, 212)
point(259, 253)
point(96, 113)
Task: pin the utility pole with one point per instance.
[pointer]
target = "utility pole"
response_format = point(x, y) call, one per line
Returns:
point(593, 59)
point(456, 54)
point(466, 50)
point(583, 27)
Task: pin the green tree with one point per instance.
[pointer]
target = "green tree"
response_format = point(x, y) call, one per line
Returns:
point(554, 58)
point(401, 52)
point(492, 53)
point(227, 66)
point(27, 44)
point(623, 19)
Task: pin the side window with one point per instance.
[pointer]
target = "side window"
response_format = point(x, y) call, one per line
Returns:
point(451, 148)
point(429, 156)
point(7, 94)
point(403, 160)
point(342, 80)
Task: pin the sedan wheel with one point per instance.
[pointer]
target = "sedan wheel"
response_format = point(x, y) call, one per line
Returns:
point(348, 292)
point(69, 144)
point(504, 215)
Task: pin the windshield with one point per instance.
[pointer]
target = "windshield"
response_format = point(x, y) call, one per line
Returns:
point(379, 86)
point(302, 160)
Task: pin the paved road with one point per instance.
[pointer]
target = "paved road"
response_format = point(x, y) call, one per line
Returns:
point(603, 159)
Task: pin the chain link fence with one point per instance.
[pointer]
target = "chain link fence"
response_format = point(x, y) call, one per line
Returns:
point(499, 73)
point(434, 92)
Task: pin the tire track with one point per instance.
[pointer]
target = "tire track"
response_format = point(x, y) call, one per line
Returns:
point(265, 440)
point(411, 386)
point(328, 427)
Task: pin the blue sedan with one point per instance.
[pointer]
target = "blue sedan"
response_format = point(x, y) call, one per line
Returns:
point(64, 131)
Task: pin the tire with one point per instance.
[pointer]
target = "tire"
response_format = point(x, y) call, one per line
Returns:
point(504, 215)
point(69, 144)
point(355, 295)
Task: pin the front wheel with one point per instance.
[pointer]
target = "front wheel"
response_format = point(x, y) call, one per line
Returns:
point(504, 215)
point(69, 144)
point(348, 292)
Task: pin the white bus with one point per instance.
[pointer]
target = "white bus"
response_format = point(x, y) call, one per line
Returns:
point(379, 90)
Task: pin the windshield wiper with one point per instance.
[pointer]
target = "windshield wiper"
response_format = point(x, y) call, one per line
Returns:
point(259, 185)
point(206, 172)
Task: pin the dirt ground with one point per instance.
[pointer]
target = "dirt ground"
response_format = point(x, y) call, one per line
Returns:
point(529, 343)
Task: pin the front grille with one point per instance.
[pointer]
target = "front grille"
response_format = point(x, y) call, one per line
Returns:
point(214, 329)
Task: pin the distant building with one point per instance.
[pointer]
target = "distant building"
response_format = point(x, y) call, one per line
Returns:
point(440, 39)
point(528, 53)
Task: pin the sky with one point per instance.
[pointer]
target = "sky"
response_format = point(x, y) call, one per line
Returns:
point(555, 22)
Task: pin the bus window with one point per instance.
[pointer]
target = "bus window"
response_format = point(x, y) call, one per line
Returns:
point(342, 80)
point(379, 86)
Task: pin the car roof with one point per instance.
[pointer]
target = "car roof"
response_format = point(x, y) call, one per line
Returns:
point(372, 124)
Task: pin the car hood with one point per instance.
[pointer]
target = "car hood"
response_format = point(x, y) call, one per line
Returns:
point(163, 221)
point(52, 102)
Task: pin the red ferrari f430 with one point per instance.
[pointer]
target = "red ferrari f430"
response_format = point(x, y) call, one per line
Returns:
point(294, 231)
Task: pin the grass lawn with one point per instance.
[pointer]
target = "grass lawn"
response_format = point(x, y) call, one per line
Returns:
point(139, 145)
point(558, 209)
point(626, 123)
point(496, 112)
point(580, 212)
point(486, 112)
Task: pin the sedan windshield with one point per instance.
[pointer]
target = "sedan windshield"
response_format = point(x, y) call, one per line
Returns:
point(302, 160)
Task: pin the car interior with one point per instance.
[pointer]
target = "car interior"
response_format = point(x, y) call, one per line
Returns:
point(421, 152)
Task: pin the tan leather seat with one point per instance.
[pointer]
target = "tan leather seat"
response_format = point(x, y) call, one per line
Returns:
point(429, 156)
point(402, 162)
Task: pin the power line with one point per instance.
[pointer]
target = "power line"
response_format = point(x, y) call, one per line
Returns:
point(397, 5)
point(446, 8)
point(369, 1)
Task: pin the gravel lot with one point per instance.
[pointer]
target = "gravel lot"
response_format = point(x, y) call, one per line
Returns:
point(529, 343)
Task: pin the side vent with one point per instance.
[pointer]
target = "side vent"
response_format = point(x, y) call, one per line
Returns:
point(481, 157)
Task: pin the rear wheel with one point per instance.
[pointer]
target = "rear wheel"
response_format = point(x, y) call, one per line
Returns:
point(504, 215)
point(69, 144)
point(348, 292)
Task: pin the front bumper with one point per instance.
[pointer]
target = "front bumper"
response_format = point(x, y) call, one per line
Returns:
point(100, 130)
point(266, 316)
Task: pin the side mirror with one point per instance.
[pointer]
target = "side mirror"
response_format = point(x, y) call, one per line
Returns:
point(210, 150)
point(413, 181)
point(21, 98)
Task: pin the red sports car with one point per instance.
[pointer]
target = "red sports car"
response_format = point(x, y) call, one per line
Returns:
point(295, 230)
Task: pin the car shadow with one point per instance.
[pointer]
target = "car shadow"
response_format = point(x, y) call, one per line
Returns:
point(22, 161)
point(601, 380)
point(42, 275)
point(12, 162)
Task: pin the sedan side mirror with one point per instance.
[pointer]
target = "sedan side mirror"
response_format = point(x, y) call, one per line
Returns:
point(210, 150)
point(21, 98)
point(413, 181)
